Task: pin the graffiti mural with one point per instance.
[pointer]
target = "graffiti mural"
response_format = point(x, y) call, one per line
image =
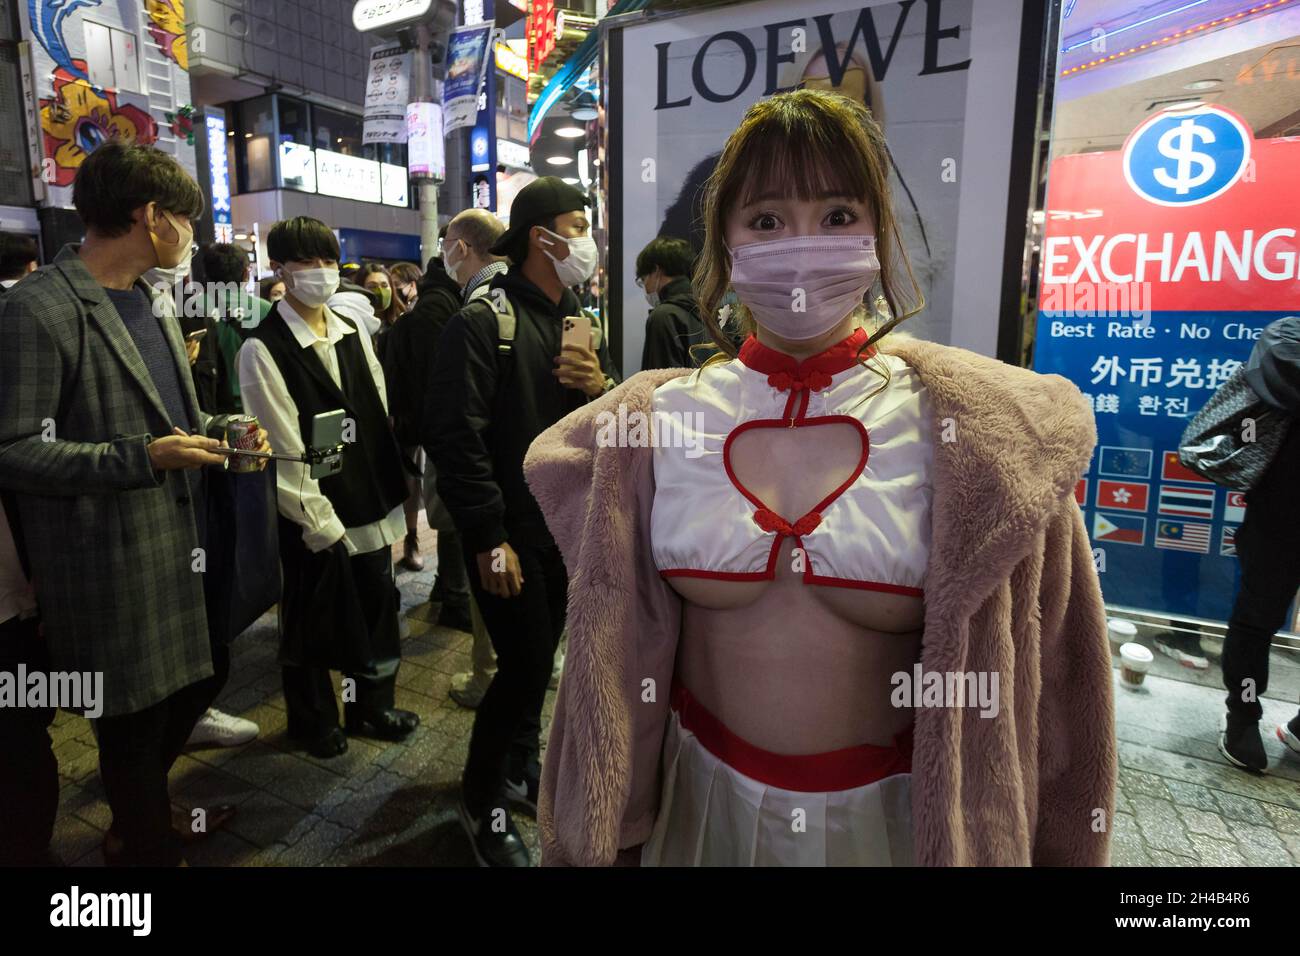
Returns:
point(78, 118)
point(167, 27)
point(48, 19)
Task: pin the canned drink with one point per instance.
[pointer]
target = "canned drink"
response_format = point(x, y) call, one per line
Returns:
point(241, 432)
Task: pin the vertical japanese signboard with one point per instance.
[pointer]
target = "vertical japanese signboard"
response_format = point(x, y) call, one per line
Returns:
point(387, 92)
point(1162, 261)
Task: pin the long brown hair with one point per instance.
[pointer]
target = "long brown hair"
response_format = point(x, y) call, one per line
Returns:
point(809, 142)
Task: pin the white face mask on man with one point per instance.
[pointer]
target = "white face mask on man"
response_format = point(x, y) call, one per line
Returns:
point(446, 262)
point(578, 266)
point(179, 252)
point(311, 287)
point(160, 276)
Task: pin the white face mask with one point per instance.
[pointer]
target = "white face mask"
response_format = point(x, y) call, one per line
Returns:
point(311, 287)
point(580, 263)
point(450, 269)
point(160, 276)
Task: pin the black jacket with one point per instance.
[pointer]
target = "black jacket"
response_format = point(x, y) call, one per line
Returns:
point(484, 408)
point(673, 327)
point(408, 353)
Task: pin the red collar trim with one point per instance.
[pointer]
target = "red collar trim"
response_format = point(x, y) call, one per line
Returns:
point(813, 373)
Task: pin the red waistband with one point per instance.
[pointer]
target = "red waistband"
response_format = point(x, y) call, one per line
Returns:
point(804, 773)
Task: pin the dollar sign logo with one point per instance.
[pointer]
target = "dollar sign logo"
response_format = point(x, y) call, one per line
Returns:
point(1179, 144)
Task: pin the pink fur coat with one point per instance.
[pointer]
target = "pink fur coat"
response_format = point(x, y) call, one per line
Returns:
point(1011, 587)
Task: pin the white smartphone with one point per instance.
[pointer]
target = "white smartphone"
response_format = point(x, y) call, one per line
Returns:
point(577, 331)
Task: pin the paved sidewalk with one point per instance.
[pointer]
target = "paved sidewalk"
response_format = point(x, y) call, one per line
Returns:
point(1181, 803)
point(382, 804)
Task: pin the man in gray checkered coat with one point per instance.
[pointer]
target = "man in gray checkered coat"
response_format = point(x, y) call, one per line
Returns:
point(101, 444)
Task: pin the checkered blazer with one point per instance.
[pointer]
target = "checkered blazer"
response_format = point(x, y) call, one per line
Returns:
point(110, 542)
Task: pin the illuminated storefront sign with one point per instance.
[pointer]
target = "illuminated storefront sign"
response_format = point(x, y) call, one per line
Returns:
point(218, 170)
point(479, 158)
point(394, 181)
point(511, 62)
point(374, 14)
point(348, 177)
point(1162, 261)
point(510, 153)
point(297, 167)
point(540, 32)
point(424, 147)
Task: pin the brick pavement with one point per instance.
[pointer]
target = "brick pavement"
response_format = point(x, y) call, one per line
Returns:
point(1179, 803)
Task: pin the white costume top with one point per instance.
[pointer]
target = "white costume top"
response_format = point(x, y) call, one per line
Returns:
point(873, 532)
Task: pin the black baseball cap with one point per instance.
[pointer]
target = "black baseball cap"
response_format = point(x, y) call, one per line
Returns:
point(540, 200)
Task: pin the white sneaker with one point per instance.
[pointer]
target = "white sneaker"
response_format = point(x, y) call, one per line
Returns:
point(1288, 736)
point(467, 689)
point(555, 672)
point(216, 729)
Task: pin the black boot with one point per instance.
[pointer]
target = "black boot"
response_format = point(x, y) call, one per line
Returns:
point(1241, 744)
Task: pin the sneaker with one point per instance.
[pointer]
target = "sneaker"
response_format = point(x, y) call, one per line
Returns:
point(493, 846)
point(555, 672)
point(1289, 734)
point(467, 689)
point(1241, 743)
point(523, 793)
point(1192, 658)
point(216, 729)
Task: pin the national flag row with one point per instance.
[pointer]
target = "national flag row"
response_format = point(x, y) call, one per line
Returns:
point(1172, 535)
point(1172, 501)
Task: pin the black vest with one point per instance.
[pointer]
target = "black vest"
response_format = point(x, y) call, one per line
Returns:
point(371, 483)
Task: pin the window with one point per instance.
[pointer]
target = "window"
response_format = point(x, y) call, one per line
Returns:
point(254, 131)
point(111, 59)
point(339, 132)
point(295, 120)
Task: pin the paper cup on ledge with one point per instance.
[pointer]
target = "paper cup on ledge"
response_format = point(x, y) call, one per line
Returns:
point(1134, 662)
point(1120, 631)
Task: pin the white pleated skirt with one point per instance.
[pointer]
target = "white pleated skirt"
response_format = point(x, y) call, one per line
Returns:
point(710, 814)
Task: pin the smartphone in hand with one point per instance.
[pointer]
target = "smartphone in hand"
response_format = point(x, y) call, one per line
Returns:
point(577, 331)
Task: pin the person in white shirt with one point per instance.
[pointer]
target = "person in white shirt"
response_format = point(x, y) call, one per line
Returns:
point(340, 604)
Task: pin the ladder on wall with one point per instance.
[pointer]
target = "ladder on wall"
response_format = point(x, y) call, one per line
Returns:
point(158, 85)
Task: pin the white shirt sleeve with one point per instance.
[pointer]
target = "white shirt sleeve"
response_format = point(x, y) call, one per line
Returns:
point(298, 495)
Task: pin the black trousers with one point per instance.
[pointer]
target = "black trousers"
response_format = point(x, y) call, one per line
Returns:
point(525, 632)
point(452, 586)
point(136, 752)
point(29, 774)
point(1268, 547)
point(309, 692)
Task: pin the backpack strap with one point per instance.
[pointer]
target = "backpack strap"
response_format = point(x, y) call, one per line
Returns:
point(507, 322)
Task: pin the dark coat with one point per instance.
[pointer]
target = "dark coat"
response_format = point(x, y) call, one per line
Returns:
point(408, 354)
point(484, 408)
point(110, 541)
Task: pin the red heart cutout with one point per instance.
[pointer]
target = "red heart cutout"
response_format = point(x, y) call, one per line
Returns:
point(792, 474)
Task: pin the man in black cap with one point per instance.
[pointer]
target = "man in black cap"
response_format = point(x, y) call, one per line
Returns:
point(1268, 548)
point(490, 395)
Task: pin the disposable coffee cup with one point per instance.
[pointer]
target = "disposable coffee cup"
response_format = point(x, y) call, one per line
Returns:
point(1134, 662)
point(1120, 631)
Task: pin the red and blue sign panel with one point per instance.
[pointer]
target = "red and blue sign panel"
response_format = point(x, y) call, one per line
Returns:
point(1162, 262)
